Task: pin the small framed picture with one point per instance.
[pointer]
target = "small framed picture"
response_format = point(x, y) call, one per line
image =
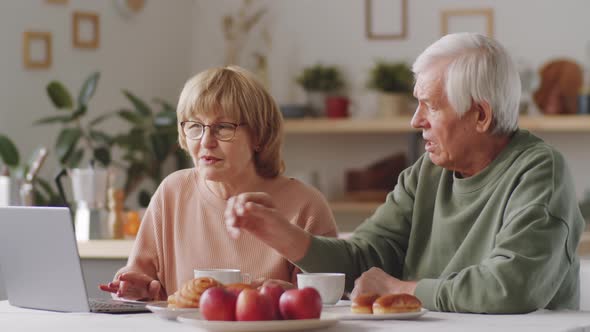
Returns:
point(86, 30)
point(37, 49)
point(386, 19)
point(468, 20)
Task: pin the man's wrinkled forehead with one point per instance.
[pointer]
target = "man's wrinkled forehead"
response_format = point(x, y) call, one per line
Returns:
point(429, 84)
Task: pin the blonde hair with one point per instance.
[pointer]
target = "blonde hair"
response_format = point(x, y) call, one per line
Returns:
point(235, 93)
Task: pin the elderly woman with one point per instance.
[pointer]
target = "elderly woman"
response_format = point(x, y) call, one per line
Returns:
point(486, 220)
point(232, 129)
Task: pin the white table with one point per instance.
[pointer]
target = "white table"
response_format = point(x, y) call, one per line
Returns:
point(18, 319)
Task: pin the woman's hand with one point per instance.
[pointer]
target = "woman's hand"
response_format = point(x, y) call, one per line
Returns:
point(377, 281)
point(257, 214)
point(134, 286)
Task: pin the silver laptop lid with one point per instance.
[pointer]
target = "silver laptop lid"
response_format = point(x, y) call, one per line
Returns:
point(39, 259)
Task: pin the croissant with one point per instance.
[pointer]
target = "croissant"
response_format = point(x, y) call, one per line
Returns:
point(189, 294)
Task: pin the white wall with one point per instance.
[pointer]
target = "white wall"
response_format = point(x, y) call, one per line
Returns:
point(153, 53)
point(148, 54)
point(306, 32)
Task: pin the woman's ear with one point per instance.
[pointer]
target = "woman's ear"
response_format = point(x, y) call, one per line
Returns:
point(484, 116)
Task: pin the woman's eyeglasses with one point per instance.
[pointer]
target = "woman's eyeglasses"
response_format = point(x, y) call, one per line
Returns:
point(223, 131)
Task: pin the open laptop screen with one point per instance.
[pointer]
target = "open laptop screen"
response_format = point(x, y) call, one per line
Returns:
point(39, 260)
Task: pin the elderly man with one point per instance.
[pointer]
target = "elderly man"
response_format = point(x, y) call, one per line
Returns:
point(485, 221)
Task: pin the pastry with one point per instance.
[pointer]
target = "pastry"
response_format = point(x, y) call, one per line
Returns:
point(396, 303)
point(237, 287)
point(189, 294)
point(363, 304)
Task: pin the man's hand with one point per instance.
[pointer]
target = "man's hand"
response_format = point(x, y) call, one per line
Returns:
point(134, 286)
point(258, 283)
point(256, 213)
point(252, 212)
point(377, 281)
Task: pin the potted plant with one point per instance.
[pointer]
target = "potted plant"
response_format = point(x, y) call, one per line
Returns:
point(152, 139)
point(9, 156)
point(76, 138)
point(394, 82)
point(319, 81)
point(149, 142)
point(13, 174)
point(9, 159)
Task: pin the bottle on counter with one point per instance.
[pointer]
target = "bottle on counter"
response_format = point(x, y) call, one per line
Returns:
point(116, 219)
point(132, 222)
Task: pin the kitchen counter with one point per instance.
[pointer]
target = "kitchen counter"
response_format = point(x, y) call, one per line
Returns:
point(120, 249)
point(105, 249)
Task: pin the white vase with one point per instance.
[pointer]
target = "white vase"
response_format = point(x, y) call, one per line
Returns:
point(392, 104)
point(8, 191)
point(316, 101)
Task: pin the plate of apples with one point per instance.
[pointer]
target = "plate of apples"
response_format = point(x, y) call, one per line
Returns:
point(270, 308)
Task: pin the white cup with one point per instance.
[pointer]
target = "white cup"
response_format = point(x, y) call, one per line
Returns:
point(329, 285)
point(224, 276)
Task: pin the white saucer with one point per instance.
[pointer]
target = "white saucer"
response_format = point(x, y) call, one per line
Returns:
point(161, 310)
point(401, 315)
point(259, 326)
point(341, 303)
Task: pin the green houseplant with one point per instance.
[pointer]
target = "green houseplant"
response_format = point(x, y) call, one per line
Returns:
point(318, 81)
point(394, 82)
point(10, 165)
point(320, 78)
point(76, 138)
point(152, 139)
point(9, 156)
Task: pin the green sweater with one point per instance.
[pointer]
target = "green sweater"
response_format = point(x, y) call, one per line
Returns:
point(501, 241)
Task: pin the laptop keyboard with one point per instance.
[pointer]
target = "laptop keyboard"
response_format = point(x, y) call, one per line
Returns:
point(114, 306)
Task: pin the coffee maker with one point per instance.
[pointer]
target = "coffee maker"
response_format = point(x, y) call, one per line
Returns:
point(89, 187)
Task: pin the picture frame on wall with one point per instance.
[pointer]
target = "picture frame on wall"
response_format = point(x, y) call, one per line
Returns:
point(37, 49)
point(86, 30)
point(468, 20)
point(386, 19)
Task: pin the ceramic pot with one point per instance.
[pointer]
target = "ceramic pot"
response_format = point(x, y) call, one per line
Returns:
point(337, 107)
point(392, 104)
point(316, 103)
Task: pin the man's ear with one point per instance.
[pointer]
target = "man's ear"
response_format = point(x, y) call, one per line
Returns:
point(484, 114)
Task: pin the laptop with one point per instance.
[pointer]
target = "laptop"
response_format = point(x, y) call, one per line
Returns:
point(40, 264)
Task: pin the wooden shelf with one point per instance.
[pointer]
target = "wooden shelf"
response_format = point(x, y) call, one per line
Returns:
point(556, 123)
point(348, 126)
point(354, 207)
point(541, 123)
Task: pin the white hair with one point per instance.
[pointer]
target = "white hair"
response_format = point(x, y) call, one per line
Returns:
point(479, 70)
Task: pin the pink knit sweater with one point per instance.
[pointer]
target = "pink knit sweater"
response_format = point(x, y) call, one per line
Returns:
point(184, 229)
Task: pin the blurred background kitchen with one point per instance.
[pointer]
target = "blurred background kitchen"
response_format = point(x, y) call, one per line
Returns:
point(90, 87)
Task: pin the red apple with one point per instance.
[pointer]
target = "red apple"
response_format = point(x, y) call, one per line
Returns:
point(275, 291)
point(253, 305)
point(237, 288)
point(218, 304)
point(305, 303)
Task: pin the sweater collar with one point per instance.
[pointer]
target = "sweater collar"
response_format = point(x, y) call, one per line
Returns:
point(495, 168)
